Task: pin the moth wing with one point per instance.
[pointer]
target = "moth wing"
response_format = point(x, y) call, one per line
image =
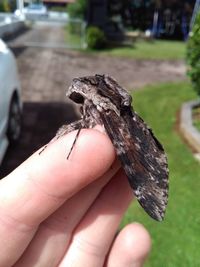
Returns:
point(143, 159)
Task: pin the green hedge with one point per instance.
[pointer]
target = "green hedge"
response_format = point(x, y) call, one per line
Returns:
point(7, 5)
point(4, 6)
point(95, 38)
point(193, 55)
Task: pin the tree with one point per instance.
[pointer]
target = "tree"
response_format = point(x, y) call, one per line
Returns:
point(77, 9)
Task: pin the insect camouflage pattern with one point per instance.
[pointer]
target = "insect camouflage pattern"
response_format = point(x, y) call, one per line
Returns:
point(142, 157)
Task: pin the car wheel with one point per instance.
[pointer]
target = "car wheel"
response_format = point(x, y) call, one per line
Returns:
point(14, 121)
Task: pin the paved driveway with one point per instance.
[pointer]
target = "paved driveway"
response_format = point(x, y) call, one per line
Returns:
point(47, 73)
point(40, 123)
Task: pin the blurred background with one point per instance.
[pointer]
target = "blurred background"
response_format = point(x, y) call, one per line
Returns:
point(152, 48)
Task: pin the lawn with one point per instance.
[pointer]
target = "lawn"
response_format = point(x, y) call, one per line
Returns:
point(152, 50)
point(176, 240)
point(196, 118)
point(73, 37)
point(141, 49)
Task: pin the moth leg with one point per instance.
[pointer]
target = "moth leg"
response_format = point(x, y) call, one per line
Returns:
point(75, 139)
point(65, 129)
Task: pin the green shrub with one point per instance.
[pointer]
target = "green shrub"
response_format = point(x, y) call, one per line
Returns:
point(193, 55)
point(4, 6)
point(95, 38)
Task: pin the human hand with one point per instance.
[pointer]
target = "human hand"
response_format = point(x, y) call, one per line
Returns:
point(58, 212)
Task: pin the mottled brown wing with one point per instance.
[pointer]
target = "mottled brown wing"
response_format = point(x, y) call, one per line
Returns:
point(143, 159)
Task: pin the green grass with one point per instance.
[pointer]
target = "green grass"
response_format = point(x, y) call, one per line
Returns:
point(197, 124)
point(176, 240)
point(73, 37)
point(155, 50)
point(196, 118)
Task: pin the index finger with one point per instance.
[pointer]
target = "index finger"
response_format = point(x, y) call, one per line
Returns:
point(43, 182)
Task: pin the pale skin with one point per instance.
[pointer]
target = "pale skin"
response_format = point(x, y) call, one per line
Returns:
point(56, 212)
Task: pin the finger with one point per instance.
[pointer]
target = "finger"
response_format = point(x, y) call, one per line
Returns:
point(42, 184)
point(52, 177)
point(130, 248)
point(94, 235)
point(54, 234)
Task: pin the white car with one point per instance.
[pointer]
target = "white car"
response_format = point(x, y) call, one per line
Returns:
point(10, 100)
point(33, 11)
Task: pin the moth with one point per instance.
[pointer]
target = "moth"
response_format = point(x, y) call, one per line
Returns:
point(103, 101)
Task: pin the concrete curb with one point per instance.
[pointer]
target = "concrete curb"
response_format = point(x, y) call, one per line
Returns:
point(188, 131)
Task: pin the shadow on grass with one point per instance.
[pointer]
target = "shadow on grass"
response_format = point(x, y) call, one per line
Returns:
point(40, 123)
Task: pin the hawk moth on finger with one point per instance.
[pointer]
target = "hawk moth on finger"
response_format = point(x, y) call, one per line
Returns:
point(141, 155)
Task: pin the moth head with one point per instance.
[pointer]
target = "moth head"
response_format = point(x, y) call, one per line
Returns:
point(82, 88)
